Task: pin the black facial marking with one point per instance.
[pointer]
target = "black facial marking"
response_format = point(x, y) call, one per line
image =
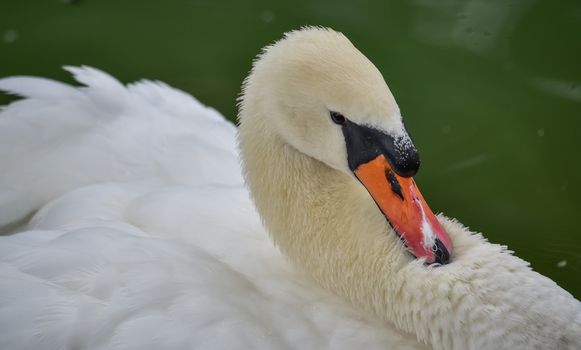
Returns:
point(395, 185)
point(365, 143)
point(442, 255)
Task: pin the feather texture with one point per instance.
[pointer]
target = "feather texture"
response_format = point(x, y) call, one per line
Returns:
point(143, 235)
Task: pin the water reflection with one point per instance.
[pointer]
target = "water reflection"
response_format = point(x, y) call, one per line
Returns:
point(480, 26)
point(565, 89)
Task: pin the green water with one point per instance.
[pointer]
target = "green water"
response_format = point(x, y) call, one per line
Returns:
point(491, 90)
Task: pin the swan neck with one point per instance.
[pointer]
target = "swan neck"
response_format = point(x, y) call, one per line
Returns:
point(327, 224)
point(322, 219)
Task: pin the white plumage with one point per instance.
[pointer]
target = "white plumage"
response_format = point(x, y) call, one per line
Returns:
point(145, 237)
point(143, 234)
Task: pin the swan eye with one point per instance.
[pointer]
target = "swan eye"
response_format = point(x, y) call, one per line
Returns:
point(338, 118)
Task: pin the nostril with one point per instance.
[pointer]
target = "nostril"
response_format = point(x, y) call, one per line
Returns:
point(395, 185)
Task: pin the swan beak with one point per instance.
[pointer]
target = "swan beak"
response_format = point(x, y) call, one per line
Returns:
point(408, 213)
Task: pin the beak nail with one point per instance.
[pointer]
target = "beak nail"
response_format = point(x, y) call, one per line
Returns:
point(442, 256)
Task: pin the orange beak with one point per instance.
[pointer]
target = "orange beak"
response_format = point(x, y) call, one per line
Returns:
point(403, 205)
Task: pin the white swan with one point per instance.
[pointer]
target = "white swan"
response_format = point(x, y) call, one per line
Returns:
point(145, 236)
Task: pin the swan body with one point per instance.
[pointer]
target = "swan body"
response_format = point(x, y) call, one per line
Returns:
point(143, 234)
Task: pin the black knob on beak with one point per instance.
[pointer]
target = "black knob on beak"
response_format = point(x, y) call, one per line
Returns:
point(406, 164)
point(365, 143)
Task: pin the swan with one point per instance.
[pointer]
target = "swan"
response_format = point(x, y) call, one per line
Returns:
point(129, 224)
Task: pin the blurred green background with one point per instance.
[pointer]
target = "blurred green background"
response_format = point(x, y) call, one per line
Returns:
point(491, 90)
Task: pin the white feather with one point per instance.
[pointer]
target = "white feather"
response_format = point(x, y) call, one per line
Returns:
point(63, 140)
point(145, 237)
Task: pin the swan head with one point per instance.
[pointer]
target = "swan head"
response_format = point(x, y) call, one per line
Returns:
point(323, 97)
